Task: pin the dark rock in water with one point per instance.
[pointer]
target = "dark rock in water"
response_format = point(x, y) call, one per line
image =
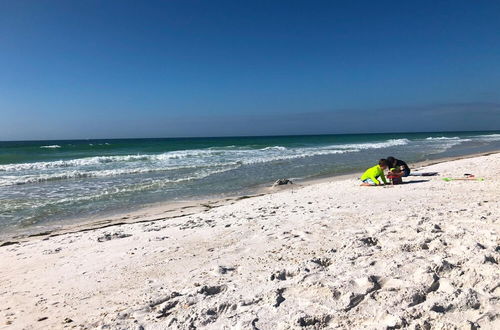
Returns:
point(282, 182)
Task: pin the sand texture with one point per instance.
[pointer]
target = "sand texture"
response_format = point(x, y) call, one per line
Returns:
point(422, 255)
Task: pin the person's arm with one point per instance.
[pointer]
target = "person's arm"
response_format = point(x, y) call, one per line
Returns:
point(382, 176)
point(374, 179)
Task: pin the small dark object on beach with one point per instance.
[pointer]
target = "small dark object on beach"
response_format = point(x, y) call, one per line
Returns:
point(490, 259)
point(211, 290)
point(108, 236)
point(370, 241)
point(8, 243)
point(282, 182)
point(438, 309)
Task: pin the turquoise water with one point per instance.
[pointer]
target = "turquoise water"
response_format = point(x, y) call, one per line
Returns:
point(46, 181)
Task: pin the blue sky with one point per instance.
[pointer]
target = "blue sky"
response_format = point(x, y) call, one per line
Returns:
point(97, 69)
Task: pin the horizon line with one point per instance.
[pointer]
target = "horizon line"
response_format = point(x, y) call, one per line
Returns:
point(245, 136)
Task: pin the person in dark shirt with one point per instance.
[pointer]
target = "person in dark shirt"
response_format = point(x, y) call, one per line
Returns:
point(398, 165)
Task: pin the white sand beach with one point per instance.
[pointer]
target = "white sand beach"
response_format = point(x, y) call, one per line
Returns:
point(423, 255)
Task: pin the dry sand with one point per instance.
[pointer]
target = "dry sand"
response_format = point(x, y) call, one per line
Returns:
point(422, 255)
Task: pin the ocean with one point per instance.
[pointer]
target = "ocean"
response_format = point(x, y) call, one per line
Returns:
point(47, 182)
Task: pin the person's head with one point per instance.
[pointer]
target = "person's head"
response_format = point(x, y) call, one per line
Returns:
point(391, 161)
point(383, 163)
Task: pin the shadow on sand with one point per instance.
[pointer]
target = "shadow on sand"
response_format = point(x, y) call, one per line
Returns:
point(414, 181)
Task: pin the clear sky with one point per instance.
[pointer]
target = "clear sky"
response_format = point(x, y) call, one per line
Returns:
point(97, 69)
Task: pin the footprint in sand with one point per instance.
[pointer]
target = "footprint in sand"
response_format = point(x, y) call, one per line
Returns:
point(211, 290)
point(279, 299)
point(323, 262)
point(282, 275)
point(222, 270)
point(108, 236)
point(316, 322)
point(369, 241)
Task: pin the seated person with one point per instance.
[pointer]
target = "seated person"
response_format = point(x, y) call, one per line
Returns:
point(393, 163)
point(371, 175)
point(395, 175)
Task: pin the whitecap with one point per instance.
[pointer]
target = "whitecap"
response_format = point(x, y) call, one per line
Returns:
point(281, 148)
point(442, 138)
point(201, 156)
point(375, 145)
point(9, 180)
point(487, 137)
point(54, 146)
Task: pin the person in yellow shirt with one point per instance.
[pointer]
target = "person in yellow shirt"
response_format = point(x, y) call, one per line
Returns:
point(371, 175)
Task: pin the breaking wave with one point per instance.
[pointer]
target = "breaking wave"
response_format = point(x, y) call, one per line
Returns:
point(443, 138)
point(195, 157)
point(488, 138)
point(91, 176)
point(80, 174)
point(54, 146)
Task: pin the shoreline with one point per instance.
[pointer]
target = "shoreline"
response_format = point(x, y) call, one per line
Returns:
point(328, 255)
point(170, 210)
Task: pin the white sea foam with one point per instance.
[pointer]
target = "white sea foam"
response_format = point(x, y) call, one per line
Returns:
point(281, 148)
point(125, 189)
point(488, 137)
point(54, 146)
point(278, 153)
point(298, 153)
point(9, 180)
point(442, 143)
point(375, 145)
point(99, 160)
point(115, 179)
point(194, 157)
point(443, 138)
